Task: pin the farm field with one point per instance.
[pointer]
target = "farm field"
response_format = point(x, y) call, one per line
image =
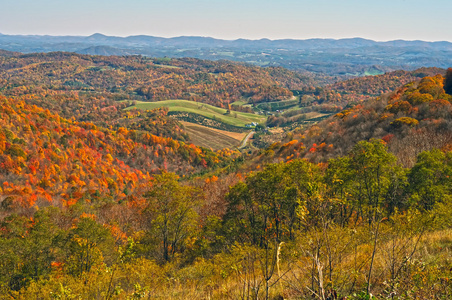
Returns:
point(208, 111)
point(280, 105)
point(212, 138)
point(240, 102)
point(314, 115)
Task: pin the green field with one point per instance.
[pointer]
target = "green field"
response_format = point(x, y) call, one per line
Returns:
point(279, 105)
point(239, 102)
point(373, 72)
point(206, 110)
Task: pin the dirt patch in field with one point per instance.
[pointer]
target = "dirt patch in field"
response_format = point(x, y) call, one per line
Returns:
point(213, 138)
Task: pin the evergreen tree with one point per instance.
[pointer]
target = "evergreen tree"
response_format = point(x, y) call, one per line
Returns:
point(448, 82)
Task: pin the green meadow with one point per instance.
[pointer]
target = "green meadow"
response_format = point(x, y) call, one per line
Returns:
point(206, 110)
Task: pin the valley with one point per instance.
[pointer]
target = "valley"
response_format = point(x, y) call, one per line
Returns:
point(128, 176)
point(323, 59)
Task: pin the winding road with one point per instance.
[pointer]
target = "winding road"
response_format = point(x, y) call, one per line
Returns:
point(246, 140)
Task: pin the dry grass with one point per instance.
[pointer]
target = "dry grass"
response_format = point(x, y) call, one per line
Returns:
point(215, 139)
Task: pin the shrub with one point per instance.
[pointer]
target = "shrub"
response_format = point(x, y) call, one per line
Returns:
point(404, 121)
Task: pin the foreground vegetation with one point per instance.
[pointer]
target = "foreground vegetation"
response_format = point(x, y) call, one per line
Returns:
point(361, 226)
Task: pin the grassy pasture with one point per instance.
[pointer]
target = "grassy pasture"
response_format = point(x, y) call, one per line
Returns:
point(206, 110)
point(239, 102)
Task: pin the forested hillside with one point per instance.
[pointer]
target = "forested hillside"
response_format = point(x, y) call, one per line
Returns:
point(134, 77)
point(332, 98)
point(46, 159)
point(414, 118)
point(364, 88)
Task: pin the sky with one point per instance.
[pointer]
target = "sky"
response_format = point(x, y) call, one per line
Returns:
point(379, 20)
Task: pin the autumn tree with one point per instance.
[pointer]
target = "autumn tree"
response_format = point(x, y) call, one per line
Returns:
point(270, 204)
point(269, 207)
point(171, 212)
point(87, 244)
point(429, 179)
point(365, 179)
point(28, 247)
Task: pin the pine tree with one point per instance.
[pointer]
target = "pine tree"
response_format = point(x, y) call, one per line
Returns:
point(448, 82)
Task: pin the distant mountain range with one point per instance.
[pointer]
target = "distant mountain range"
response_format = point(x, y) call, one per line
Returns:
point(353, 57)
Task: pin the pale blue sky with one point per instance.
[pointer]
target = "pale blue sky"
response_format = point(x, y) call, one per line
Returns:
point(230, 19)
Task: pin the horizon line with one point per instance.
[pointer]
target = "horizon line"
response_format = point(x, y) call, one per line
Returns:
point(225, 39)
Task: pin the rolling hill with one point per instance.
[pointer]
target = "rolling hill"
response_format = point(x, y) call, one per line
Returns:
point(45, 158)
point(239, 119)
point(416, 117)
point(343, 57)
point(138, 78)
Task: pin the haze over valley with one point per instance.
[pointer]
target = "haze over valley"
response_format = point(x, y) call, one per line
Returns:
point(343, 57)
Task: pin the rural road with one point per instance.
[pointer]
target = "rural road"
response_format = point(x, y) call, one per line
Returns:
point(246, 140)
